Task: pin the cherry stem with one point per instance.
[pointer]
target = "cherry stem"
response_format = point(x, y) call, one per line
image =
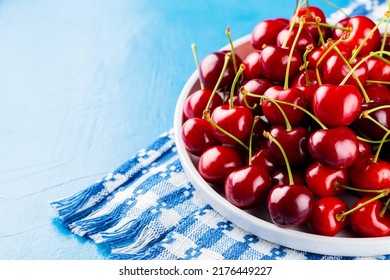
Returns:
point(384, 193)
point(309, 48)
point(378, 82)
point(298, 7)
point(383, 211)
point(232, 49)
point(207, 116)
point(289, 172)
point(227, 58)
point(321, 24)
point(286, 79)
point(321, 36)
point(375, 159)
point(369, 111)
point(339, 185)
point(255, 120)
point(193, 47)
point(336, 7)
point(371, 141)
point(384, 38)
point(232, 90)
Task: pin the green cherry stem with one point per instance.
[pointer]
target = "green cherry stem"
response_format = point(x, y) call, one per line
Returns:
point(375, 159)
point(255, 120)
point(309, 48)
point(193, 47)
point(289, 172)
point(286, 78)
point(383, 211)
point(227, 58)
point(227, 32)
point(233, 88)
point(298, 7)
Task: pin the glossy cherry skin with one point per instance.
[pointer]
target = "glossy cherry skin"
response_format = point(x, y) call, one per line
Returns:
point(196, 103)
point(337, 105)
point(378, 70)
point(319, 53)
point(197, 135)
point(336, 148)
point(265, 33)
point(321, 180)
point(366, 127)
point(263, 158)
point(252, 68)
point(273, 63)
point(360, 27)
point(256, 86)
point(375, 91)
point(294, 143)
point(367, 222)
point(367, 175)
point(237, 121)
point(291, 95)
point(335, 69)
point(280, 176)
point(290, 206)
point(217, 162)
point(211, 67)
point(304, 38)
point(323, 220)
point(246, 187)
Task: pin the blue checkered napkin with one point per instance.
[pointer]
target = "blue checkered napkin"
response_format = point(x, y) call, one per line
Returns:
point(148, 209)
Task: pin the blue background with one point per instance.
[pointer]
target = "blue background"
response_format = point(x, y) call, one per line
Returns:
point(86, 84)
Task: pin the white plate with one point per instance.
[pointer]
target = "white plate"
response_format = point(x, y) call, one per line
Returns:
point(259, 224)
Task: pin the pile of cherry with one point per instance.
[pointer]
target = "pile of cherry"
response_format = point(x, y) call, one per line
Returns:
point(299, 122)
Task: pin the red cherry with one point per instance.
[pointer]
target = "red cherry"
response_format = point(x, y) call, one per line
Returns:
point(291, 95)
point(217, 162)
point(290, 205)
point(367, 221)
point(368, 175)
point(265, 33)
point(335, 69)
point(360, 26)
point(336, 148)
point(252, 65)
point(321, 180)
point(196, 103)
point(280, 176)
point(341, 113)
point(311, 13)
point(274, 60)
point(318, 53)
point(375, 91)
point(247, 186)
point(293, 141)
point(262, 157)
point(255, 86)
point(304, 38)
point(197, 135)
point(324, 219)
point(211, 67)
point(366, 127)
point(378, 70)
point(236, 120)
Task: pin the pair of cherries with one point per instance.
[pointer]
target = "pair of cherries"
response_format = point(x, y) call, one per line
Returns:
point(299, 122)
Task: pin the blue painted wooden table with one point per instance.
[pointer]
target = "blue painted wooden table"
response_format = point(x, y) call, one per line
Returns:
point(86, 84)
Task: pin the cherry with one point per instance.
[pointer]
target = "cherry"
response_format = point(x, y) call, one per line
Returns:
point(365, 124)
point(336, 68)
point(291, 95)
point(378, 70)
point(336, 148)
point(311, 14)
point(324, 219)
point(274, 61)
point(211, 67)
point(236, 121)
point(375, 91)
point(196, 103)
point(319, 55)
point(262, 157)
point(280, 176)
point(252, 65)
point(370, 174)
point(321, 180)
point(247, 186)
point(360, 27)
point(304, 38)
point(265, 32)
point(197, 135)
point(256, 86)
point(295, 143)
point(368, 221)
point(217, 162)
point(341, 113)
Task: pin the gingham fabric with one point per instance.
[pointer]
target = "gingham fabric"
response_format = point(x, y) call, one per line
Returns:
point(148, 209)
